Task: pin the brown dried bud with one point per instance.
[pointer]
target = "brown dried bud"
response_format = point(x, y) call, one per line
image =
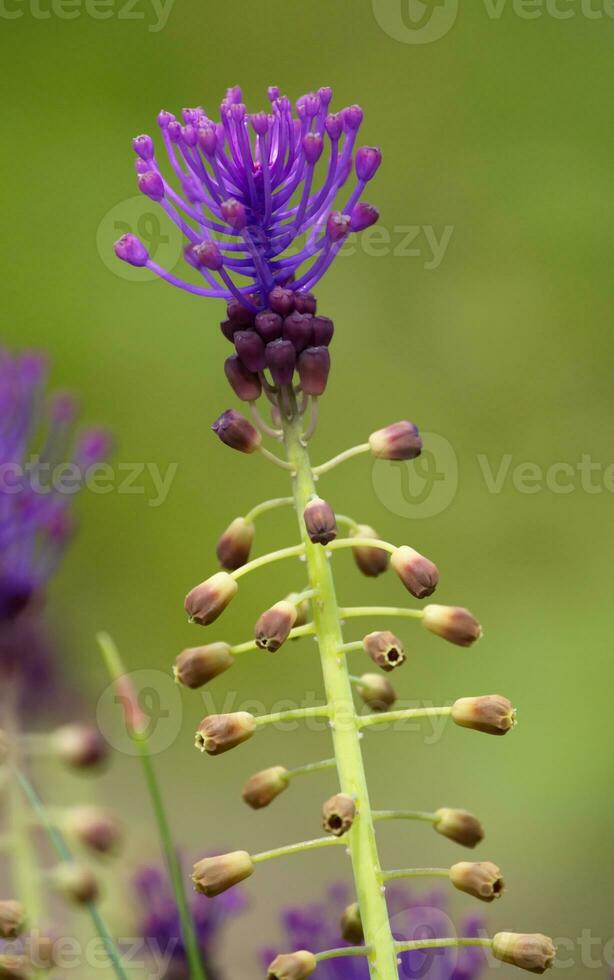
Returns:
point(385, 649)
point(492, 714)
point(208, 600)
point(320, 521)
point(453, 623)
point(79, 746)
point(262, 788)
point(214, 875)
point(237, 432)
point(235, 544)
point(371, 561)
point(219, 733)
point(77, 883)
point(376, 691)
point(534, 953)
point(15, 967)
point(419, 575)
point(482, 879)
point(198, 665)
point(273, 627)
point(302, 609)
point(12, 919)
point(351, 925)
point(459, 826)
point(338, 814)
point(292, 966)
point(95, 828)
point(401, 440)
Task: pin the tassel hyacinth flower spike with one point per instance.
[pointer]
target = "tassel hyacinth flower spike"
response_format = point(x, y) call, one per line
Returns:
point(248, 187)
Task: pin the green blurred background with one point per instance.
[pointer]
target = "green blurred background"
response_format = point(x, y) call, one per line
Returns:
point(500, 130)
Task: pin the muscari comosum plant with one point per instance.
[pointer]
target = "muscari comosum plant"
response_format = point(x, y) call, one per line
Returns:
point(261, 231)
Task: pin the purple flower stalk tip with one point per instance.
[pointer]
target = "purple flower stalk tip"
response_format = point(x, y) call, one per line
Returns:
point(249, 189)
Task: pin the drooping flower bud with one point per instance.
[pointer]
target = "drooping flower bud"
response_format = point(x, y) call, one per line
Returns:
point(298, 329)
point(269, 325)
point(214, 875)
point(338, 814)
point(385, 649)
point(280, 360)
point(95, 828)
point(376, 691)
point(245, 384)
point(452, 623)
point(12, 919)
point(532, 952)
point(363, 216)
point(281, 300)
point(235, 544)
point(129, 249)
point(273, 627)
point(239, 314)
point(419, 575)
point(401, 440)
point(79, 746)
point(262, 788)
point(292, 966)
point(208, 600)
point(199, 665)
point(459, 826)
point(482, 879)
point(250, 348)
point(305, 302)
point(320, 521)
point(492, 714)
point(351, 925)
point(152, 185)
point(237, 432)
point(313, 369)
point(219, 733)
point(208, 255)
point(77, 883)
point(323, 330)
point(371, 561)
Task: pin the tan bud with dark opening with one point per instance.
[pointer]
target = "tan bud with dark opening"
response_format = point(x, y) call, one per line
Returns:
point(219, 733)
point(482, 879)
point(491, 713)
point(273, 627)
point(264, 787)
point(418, 574)
point(95, 828)
point(459, 826)
point(351, 925)
point(292, 966)
point(302, 609)
point(401, 440)
point(235, 544)
point(199, 665)
point(208, 600)
point(12, 919)
point(376, 691)
point(452, 623)
point(371, 561)
point(214, 875)
point(320, 521)
point(79, 746)
point(77, 883)
point(385, 649)
point(338, 814)
point(533, 952)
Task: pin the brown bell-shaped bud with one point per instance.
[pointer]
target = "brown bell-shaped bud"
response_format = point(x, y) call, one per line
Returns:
point(419, 575)
point(214, 875)
point(302, 608)
point(199, 665)
point(292, 966)
point(351, 925)
point(79, 746)
point(95, 828)
point(219, 733)
point(482, 879)
point(385, 649)
point(77, 883)
point(246, 385)
point(452, 623)
point(15, 967)
point(401, 440)
point(532, 952)
point(491, 713)
point(459, 826)
point(208, 600)
point(313, 369)
point(376, 691)
point(12, 919)
point(338, 814)
point(320, 521)
point(273, 627)
point(235, 544)
point(263, 787)
point(237, 432)
point(371, 561)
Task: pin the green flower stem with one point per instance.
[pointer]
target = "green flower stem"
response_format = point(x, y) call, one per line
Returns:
point(351, 647)
point(267, 505)
point(353, 612)
point(359, 542)
point(344, 721)
point(59, 845)
point(341, 458)
point(262, 425)
point(311, 767)
point(320, 711)
point(298, 631)
point(273, 458)
point(334, 954)
point(367, 720)
point(346, 521)
point(441, 943)
point(293, 552)
point(305, 845)
point(404, 815)
point(396, 875)
point(117, 672)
